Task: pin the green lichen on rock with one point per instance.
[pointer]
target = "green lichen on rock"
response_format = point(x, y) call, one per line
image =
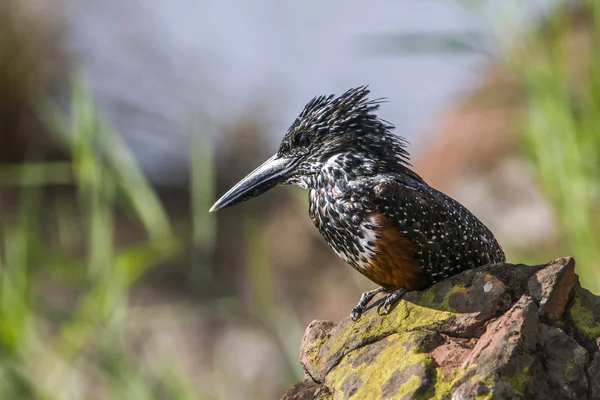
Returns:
point(321, 353)
point(486, 333)
point(569, 368)
point(409, 388)
point(584, 319)
point(397, 362)
point(313, 352)
point(443, 384)
point(519, 382)
point(413, 316)
point(428, 299)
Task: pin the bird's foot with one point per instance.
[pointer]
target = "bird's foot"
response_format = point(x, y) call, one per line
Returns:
point(365, 298)
point(391, 299)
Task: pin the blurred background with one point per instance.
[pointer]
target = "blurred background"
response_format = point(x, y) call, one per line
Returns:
point(121, 122)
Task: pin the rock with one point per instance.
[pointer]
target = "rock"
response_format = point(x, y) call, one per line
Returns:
point(551, 288)
point(499, 331)
point(584, 318)
point(308, 389)
point(594, 372)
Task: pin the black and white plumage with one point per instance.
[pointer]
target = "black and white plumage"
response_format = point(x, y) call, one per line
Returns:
point(374, 211)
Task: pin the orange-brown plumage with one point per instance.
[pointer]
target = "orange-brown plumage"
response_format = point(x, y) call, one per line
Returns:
point(394, 265)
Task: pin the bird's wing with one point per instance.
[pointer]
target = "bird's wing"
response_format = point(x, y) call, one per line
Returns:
point(435, 224)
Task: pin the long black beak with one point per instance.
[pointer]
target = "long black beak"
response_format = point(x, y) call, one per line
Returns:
point(271, 173)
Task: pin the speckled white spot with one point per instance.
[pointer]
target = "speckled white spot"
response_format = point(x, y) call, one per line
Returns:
point(369, 236)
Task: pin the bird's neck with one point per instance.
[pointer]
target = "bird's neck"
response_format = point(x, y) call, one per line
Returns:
point(341, 166)
point(350, 167)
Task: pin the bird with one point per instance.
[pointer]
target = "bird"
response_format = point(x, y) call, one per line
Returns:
point(372, 209)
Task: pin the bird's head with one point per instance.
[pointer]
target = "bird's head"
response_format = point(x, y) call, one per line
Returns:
point(328, 126)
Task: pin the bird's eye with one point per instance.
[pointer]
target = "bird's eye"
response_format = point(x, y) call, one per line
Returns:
point(303, 140)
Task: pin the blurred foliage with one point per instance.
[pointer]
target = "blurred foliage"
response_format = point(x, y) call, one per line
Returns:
point(80, 226)
point(53, 351)
point(559, 69)
point(50, 352)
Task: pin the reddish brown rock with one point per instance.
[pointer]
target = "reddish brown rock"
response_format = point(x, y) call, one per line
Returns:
point(501, 331)
point(552, 287)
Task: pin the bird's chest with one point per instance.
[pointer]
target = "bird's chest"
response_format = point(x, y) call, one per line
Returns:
point(339, 211)
point(347, 217)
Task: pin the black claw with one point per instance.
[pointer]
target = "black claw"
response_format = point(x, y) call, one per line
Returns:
point(383, 308)
point(356, 313)
point(365, 298)
point(389, 302)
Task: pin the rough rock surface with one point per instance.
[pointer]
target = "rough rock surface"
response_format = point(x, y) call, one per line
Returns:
point(499, 331)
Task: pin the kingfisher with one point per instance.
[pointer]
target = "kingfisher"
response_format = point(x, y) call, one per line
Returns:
point(371, 208)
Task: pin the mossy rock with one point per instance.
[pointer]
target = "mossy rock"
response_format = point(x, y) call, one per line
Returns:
point(500, 331)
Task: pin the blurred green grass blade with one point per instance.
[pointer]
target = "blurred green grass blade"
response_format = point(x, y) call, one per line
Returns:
point(176, 385)
point(133, 184)
point(202, 182)
point(14, 384)
point(36, 174)
point(258, 266)
point(202, 197)
point(560, 134)
point(101, 230)
point(14, 310)
point(93, 180)
point(95, 144)
point(101, 300)
point(21, 244)
point(131, 263)
point(82, 131)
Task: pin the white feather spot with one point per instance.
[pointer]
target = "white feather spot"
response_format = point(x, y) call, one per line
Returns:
point(368, 229)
